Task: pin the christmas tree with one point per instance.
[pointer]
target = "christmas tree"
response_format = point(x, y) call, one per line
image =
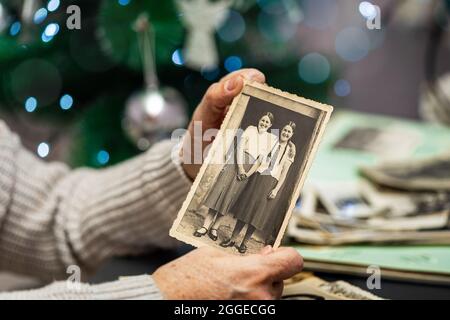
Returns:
point(82, 79)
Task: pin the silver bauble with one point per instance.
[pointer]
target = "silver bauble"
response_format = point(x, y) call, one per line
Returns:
point(152, 115)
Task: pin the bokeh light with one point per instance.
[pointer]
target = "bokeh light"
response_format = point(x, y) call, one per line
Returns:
point(53, 5)
point(320, 14)
point(36, 78)
point(66, 102)
point(367, 10)
point(31, 104)
point(233, 28)
point(154, 103)
point(210, 74)
point(177, 57)
point(314, 68)
point(276, 28)
point(124, 2)
point(342, 88)
point(233, 63)
point(272, 6)
point(15, 28)
point(103, 157)
point(51, 30)
point(40, 16)
point(352, 44)
point(43, 149)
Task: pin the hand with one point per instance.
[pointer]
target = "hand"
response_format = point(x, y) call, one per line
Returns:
point(273, 194)
point(208, 273)
point(211, 112)
point(242, 176)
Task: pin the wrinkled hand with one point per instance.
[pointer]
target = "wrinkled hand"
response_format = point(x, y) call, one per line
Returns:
point(212, 110)
point(208, 273)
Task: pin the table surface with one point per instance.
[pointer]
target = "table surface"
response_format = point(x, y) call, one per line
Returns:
point(390, 289)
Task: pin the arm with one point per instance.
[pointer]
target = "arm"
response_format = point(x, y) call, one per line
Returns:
point(287, 162)
point(52, 217)
point(283, 176)
point(253, 169)
point(241, 147)
point(126, 288)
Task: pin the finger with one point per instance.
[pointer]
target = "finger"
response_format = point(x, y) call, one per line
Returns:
point(276, 289)
point(221, 94)
point(283, 263)
point(249, 74)
point(266, 250)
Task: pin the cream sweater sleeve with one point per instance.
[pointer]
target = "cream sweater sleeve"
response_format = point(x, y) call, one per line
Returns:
point(51, 217)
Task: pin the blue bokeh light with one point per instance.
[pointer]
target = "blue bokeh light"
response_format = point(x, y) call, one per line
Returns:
point(15, 28)
point(124, 2)
point(352, 44)
point(31, 104)
point(66, 102)
point(210, 74)
point(53, 5)
point(177, 57)
point(342, 88)
point(40, 16)
point(43, 149)
point(51, 30)
point(233, 28)
point(233, 63)
point(103, 157)
point(44, 38)
point(314, 68)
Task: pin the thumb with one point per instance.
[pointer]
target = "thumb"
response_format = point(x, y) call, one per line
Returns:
point(220, 95)
point(284, 263)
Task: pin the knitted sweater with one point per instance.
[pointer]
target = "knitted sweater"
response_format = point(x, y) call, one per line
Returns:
point(52, 218)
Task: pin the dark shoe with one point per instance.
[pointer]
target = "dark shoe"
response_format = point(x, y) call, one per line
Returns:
point(227, 243)
point(199, 234)
point(213, 234)
point(242, 248)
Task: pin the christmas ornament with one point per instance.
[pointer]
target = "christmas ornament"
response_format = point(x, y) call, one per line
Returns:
point(202, 18)
point(435, 100)
point(118, 39)
point(154, 113)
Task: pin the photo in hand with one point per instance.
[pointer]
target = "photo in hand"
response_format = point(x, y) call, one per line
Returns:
point(249, 183)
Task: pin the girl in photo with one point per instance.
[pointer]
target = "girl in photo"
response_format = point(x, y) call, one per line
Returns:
point(254, 146)
point(258, 203)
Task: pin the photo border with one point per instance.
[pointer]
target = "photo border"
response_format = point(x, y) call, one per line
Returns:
point(282, 99)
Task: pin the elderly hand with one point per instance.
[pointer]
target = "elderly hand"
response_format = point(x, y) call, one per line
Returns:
point(208, 273)
point(210, 113)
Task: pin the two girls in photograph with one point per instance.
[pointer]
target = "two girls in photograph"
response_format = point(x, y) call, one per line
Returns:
point(249, 183)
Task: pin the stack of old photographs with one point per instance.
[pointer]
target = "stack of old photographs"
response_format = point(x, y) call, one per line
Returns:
point(406, 202)
point(306, 286)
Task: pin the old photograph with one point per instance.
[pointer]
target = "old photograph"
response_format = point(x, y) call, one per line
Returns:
point(251, 179)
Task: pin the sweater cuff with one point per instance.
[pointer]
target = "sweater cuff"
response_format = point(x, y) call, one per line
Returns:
point(127, 288)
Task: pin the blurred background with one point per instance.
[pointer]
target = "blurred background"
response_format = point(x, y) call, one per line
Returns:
point(67, 92)
point(95, 82)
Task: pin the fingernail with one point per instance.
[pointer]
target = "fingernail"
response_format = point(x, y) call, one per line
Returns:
point(252, 75)
point(230, 85)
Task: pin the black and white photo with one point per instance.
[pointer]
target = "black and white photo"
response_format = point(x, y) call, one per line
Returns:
point(247, 187)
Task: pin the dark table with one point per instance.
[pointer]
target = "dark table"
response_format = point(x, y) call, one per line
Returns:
point(390, 289)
